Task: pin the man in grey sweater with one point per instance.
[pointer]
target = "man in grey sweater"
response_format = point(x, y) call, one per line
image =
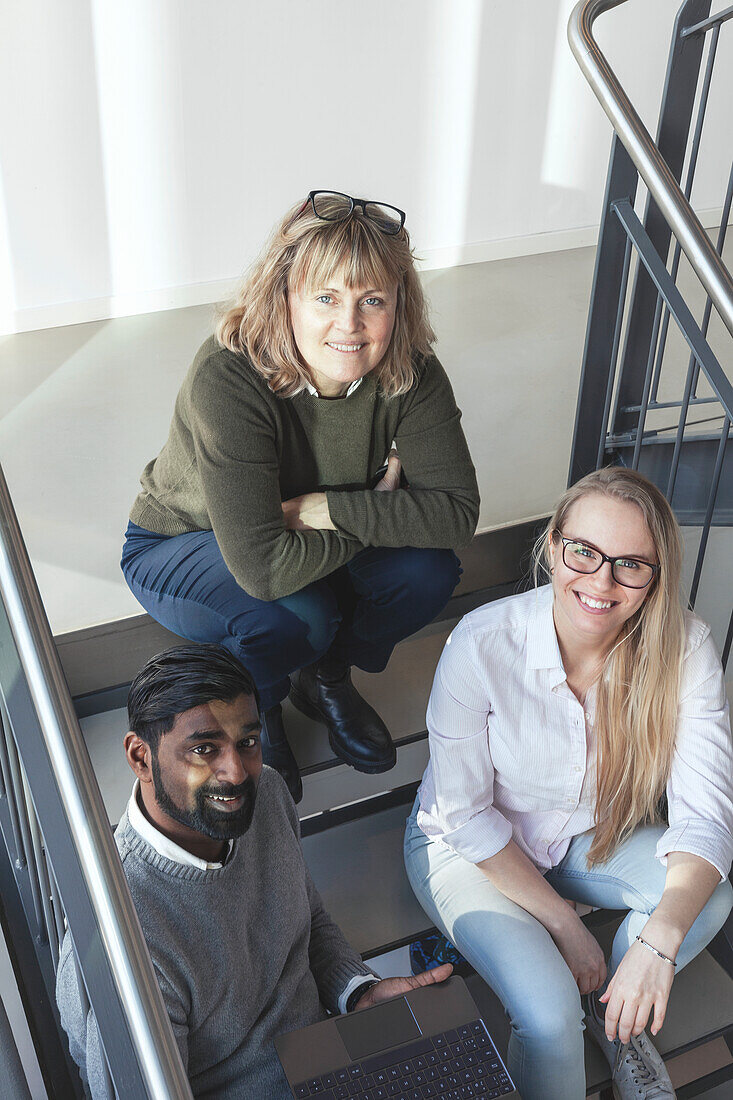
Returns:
point(241, 944)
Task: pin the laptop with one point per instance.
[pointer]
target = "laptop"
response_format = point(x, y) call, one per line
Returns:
point(430, 1044)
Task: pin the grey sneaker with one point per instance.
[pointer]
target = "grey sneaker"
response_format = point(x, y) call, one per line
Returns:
point(637, 1069)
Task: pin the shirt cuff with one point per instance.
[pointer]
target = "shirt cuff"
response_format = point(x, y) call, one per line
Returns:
point(356, 981)
point(481, 837)
point(699, 838)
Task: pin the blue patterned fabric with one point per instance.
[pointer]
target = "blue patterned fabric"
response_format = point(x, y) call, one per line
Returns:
point(431, 950)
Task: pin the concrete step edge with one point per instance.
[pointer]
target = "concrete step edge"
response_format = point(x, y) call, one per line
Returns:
point(104, 657)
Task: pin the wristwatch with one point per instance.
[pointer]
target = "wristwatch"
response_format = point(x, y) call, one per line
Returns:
point(356, 994)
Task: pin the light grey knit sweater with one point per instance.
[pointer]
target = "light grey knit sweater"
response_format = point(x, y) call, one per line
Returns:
point(242, 953)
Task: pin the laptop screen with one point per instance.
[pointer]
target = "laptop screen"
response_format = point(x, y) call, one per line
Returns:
point(386, 1025)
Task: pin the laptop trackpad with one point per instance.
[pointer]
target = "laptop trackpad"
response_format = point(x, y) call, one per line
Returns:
point(367, 1033)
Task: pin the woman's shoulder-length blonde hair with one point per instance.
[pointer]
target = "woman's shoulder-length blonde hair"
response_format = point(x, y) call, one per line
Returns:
point(638, 690)
point(305, 252)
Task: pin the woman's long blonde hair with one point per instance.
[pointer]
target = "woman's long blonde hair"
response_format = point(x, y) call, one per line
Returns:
point(638, 690)
point(306, 252)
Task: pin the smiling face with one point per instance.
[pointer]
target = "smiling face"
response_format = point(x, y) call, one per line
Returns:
point(342, 333)
point(199, 785)
point(592, 608)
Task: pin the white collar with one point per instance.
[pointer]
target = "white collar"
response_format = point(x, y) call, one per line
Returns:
point(161, 843)
point(543, 648)
point(354, 385)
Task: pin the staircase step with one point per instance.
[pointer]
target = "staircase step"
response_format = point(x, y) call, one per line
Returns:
point(101, 660)
point(399, 694)
point(358, 869)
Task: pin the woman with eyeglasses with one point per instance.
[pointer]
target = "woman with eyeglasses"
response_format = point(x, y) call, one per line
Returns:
point(558, 720)
point(315, 481)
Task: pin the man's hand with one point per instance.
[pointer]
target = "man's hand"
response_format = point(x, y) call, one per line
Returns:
point(307, 513)
point(641, 982)
point(395, 987)
point(391, 479)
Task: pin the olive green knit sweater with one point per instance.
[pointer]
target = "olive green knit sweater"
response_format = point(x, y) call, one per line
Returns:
point(235, 451)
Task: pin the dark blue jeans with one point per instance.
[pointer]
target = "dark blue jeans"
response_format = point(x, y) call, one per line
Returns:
point(358, 613)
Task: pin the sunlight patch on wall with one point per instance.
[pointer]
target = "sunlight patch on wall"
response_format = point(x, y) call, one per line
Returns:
point(7, 285)
point(575, 122)
point(139, 79)
point(451, 65)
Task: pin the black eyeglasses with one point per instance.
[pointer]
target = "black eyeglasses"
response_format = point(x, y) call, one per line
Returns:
point(583, 558)
point(334, 206)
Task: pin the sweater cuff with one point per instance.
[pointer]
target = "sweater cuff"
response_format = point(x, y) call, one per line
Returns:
point(356, 981)
point(337, 978)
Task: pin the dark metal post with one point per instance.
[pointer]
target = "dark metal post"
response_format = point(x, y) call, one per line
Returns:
point(34, 976)
point(672, 136)
point(609, 284)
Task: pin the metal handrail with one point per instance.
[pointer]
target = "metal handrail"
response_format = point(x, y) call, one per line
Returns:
point(122, 939)
point(649, 162)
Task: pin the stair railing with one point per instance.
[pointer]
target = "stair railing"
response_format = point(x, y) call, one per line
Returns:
point(651, 165)
point(59, 865)
point(630, 383)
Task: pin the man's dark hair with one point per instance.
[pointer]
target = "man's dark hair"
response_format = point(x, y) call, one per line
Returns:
point(179, 679)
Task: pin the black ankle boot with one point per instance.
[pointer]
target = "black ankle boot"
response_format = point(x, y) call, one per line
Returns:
point(276, 751)
point(356, 733)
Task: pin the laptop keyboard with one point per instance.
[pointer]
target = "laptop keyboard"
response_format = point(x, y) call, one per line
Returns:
point(457, 1065)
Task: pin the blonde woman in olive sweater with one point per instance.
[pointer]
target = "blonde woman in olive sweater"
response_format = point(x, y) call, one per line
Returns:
point(315, 481)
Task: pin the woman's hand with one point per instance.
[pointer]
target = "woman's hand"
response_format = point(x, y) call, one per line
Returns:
point(307, 513)
point(512, 872)
point(310, 512)
point(641, 982)
point(581, 952)
point(391, 479)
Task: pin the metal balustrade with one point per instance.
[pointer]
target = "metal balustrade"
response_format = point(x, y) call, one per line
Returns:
point(643, 402)
point(640, 404)
point(59, 865)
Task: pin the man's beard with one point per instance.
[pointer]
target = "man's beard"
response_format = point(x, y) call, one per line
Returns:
point(206, 818)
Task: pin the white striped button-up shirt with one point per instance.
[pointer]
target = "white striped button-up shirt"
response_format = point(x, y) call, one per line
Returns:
point(513, 754)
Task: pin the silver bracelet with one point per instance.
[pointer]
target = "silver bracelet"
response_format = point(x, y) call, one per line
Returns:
point(658, 953)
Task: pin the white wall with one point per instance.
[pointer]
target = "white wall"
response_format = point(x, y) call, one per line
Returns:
point(147, 147)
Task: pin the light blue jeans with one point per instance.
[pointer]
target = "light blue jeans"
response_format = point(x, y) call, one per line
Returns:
point(517, 957)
